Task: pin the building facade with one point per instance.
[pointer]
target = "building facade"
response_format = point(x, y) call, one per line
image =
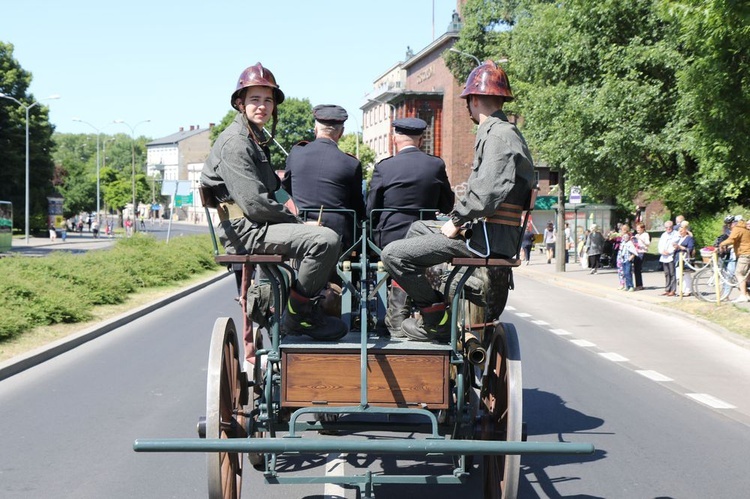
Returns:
point(178, 157)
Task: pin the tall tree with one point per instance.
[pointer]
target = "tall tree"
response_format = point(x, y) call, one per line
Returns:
point(628, 96)
point(14, 82)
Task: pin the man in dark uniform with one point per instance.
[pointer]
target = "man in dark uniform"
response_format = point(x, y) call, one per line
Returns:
point(499, 185)
point(410, 181)
point(319, 174)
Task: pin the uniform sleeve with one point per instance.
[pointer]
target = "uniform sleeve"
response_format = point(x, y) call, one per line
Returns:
point(358, 199)
point(447, 196)
point(375, 196)
point(239, 168)
point(489, 184)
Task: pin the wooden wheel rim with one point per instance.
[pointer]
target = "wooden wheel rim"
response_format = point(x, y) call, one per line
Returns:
point(224, 418)
point(502, 403)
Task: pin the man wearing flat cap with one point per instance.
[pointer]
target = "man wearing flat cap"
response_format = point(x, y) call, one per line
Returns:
point(319, 174)
point(409, 182)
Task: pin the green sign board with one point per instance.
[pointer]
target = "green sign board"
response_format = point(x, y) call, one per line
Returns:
point(183, 200)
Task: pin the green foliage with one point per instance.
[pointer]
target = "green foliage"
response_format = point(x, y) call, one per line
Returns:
point(63, 287)
point(14, 82)
point(628, 97)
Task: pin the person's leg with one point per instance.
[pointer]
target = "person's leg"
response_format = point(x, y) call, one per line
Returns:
point(627, 269)
point(638, 272)
point(407, 261)
point(317, 250)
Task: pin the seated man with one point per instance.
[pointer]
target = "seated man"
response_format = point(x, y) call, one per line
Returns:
point(253, 221)
point(499, 185)
point(319, 174)
point(410, 181)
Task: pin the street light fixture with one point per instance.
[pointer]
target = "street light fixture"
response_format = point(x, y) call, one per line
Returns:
point(98, 133)
point(27, 108)
point(132, 148)
point(466, 54)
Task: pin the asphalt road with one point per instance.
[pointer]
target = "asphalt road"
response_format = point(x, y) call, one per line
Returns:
point(69, 423)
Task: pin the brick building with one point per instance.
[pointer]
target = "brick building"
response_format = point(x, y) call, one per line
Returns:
point(422, 86)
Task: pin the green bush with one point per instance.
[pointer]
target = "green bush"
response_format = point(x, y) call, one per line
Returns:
point(64, 287)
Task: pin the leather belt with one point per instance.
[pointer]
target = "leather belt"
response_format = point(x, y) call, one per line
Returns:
point(229, 211)
point(507, 214)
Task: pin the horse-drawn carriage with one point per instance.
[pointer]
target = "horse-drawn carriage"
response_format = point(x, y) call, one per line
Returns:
point(461, 399)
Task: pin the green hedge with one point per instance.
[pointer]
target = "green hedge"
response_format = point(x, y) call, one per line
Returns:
point(64, 287)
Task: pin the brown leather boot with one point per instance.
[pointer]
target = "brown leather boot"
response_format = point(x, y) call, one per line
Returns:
point(433, 325)
point(304, 315)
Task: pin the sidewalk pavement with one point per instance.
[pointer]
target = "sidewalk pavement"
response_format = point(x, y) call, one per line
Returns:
point(605, 284)
point(74, 243)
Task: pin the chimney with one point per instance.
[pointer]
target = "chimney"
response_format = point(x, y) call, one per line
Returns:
point(182, 129)
point(211, 125)
point(192, 128)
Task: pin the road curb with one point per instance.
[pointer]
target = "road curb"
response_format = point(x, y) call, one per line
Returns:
point(35, 357)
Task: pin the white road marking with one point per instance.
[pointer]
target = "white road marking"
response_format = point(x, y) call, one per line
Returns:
point(583, 343)
point(540, 323)
point(710, 401)
point(335, 467)
point(523, 314)
point(510, 307)
point(614, 357)
point(560, 332)
point(655, 376)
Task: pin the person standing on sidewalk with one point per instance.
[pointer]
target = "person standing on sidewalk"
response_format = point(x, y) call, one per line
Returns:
point(642, 241)
point(549, 239)
point(594, 247)
point(667, 243)
point(739, 238)
point(499, 185)
point(528, 243)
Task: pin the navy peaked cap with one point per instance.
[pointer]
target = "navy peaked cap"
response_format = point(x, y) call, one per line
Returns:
point(409, 126)
point(330, 114)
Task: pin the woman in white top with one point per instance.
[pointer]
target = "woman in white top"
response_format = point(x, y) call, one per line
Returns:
point(549, 240)
point(642, 241)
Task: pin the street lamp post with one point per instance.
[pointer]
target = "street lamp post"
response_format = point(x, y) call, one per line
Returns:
point(98, 133)
point(132, 148)
point(466, 54)
point(27, 109)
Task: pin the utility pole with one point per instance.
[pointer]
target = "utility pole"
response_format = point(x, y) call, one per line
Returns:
point(560, 248)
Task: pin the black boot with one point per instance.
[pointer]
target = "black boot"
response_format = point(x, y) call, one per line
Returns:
point(434, 325)
point(399, 308)
point(305, 316)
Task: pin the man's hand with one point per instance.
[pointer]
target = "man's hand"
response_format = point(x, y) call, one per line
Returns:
point(449, 230)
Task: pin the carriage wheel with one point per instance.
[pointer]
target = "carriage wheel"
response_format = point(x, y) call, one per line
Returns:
point(502, 411)
point(225, 393)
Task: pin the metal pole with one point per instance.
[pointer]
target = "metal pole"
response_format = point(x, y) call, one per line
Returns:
point(98, 203)
point(26, 214)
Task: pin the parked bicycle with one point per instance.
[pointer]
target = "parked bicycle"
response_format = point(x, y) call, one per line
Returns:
point(716, 272)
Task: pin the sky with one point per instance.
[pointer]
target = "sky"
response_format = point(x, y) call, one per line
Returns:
point(176, 63)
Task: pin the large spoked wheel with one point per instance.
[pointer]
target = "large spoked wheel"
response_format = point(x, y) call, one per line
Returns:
point(501, 411)
point(226, 394)
point(704, 285)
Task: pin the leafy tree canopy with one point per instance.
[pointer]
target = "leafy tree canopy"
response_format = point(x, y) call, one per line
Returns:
point(629, 97)
point(14, 83)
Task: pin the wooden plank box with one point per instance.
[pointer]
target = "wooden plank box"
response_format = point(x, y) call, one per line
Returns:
point(399, 374)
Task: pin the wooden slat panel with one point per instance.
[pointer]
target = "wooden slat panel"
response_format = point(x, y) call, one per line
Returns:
point(394, 380)
point(486, 262)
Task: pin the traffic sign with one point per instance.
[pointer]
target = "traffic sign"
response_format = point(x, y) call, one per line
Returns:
point(575, 194)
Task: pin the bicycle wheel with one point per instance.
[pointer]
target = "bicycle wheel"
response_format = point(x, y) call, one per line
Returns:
point(704, 285)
